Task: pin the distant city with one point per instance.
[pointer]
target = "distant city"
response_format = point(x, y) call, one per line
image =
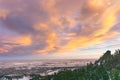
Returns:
point(43, 67)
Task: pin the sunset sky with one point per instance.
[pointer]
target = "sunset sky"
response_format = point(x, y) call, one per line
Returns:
point(58, 29)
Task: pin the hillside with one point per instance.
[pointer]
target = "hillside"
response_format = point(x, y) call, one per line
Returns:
point(105, 68)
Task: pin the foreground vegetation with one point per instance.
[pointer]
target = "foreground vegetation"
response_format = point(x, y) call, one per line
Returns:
point(105, 68)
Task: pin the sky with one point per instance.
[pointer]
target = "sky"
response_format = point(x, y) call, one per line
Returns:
point(58, 29)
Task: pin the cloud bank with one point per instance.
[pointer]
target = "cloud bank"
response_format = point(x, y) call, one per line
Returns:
point(51, 26)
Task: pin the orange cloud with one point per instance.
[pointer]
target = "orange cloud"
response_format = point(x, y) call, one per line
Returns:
point(39, 26)
point(3, 13)
point(96, 4)
point(19, 40)
point(5, 48)
point(8, 44)
point(2, 50)
point(24, 40)
point(51, 41)
point(108, 19)
point(50, 7)
point(82, 42)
